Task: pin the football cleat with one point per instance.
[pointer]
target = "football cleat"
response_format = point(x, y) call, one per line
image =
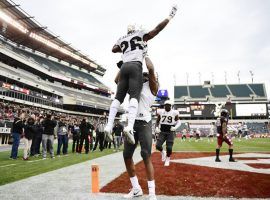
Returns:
point(218, 160)
point(167, 162)
point(163, 155)
point(108, 134)
point(232, 160)
point(134, 192)
point(129, 135)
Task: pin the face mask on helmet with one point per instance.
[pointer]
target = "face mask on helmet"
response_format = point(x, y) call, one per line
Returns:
point(167, 107)
point(224, 113)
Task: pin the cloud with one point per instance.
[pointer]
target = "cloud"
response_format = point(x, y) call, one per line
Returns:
point(206, 36)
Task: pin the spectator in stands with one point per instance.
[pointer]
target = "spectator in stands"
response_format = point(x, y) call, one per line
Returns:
point(29, 133)
point(100, 135)
point(62, 136)
point(85, 131)
point(18, 128)
point(75, 131)
point(118, 130)
point(48, 135)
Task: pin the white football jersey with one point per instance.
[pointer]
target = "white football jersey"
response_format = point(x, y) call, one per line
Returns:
point(167, 118)
point(146, 101)
point(133, 47)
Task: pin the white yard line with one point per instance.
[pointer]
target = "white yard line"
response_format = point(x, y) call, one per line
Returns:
point(7, 165)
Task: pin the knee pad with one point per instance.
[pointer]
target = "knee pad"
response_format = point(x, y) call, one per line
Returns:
point(126, 155)
point(169, 149)
point(144, 154)
point(159, 147)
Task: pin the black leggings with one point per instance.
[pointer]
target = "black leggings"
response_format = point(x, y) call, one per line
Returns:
point(130, 81)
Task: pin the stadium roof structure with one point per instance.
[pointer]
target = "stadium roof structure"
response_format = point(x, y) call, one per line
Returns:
point(21, 28)
point(254, 92)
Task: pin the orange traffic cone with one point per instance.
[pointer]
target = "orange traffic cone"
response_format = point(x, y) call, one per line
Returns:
point(95, 178)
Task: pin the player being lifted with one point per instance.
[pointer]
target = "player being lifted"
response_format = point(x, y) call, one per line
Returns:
point(222, 123)
point(169, 122)
point(133, 47)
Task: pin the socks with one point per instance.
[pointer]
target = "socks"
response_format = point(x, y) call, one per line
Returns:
point(132, 112)
point(134, 182)
point(113, 111)
point(217, 153)
point(151, 187)
point(231, 153)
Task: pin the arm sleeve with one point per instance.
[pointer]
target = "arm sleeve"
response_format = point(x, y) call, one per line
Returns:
point(159, 111)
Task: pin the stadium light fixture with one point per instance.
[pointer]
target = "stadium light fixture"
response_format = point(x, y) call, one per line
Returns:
point(238, 75)
point(43, 40)
point(212, 75)
point(13, 22)
point(252, 75)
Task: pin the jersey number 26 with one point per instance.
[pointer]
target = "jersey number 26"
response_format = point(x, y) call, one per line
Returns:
point(134, 44)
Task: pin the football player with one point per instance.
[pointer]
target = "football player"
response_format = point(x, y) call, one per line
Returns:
point(143, 134)
point(169, 122)
point(197, 134)
point(222, 123)
point(239, 128)
point(184, 135)
point(132, 46)
point(191, 135)
point(211, 132)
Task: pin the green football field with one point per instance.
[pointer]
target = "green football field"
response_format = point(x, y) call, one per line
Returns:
point(250, 145)
point(12, 170)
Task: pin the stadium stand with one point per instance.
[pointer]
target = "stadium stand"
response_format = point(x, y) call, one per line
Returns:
point(181, 91)
point(220, 92)
point(258, 89)
point(39, 69)
point(240, 90)
point(198, 92)
point(199, 106)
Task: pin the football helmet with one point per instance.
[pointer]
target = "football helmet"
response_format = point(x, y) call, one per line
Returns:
point(224, 113)
point(168, 102)
point(131, 28)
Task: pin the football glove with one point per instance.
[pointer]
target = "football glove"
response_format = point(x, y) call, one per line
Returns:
point(173, 11)
point(173, 128)
point(119, 64)
point(157, 130)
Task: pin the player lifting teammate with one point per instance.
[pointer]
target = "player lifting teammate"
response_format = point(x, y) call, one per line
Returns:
point(222, 136)
point(168, 120)
point(133, 47)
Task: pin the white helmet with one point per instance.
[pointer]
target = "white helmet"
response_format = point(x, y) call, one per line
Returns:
point(131, 28)
point(168, 102)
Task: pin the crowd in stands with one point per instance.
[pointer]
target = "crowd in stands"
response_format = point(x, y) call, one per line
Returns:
point(38, 128)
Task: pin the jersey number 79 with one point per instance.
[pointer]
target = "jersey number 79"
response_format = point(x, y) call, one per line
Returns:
point(167, 118)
